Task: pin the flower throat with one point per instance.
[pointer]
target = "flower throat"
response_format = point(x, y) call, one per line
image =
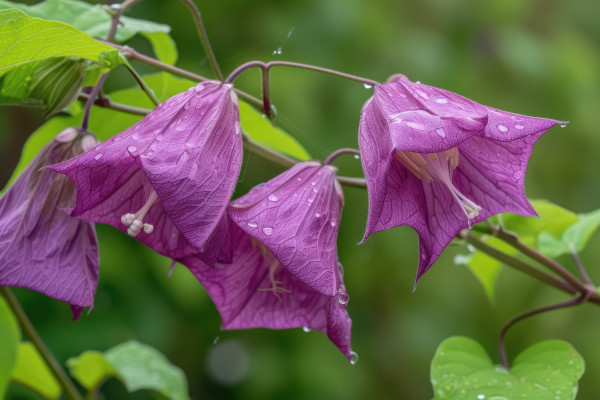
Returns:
point(438, 167)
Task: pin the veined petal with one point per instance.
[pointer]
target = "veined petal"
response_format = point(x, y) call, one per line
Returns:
point(296, 216)
point(41, 247)
point(243, 293)
point(188, 152)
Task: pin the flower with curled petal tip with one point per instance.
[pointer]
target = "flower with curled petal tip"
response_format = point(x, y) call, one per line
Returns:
point(439, 162)
point(41, 247)
point(168, 179)
point(296, 216)
point(257, 291)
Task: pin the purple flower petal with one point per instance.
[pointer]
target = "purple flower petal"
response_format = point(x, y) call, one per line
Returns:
point(174, 172)
point(439, 162)
point(41, 247)
point(256, 291)
point(296, 216)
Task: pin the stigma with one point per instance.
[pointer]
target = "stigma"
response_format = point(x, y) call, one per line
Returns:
point(276, 287)
point(438, 167)
point(135, 222)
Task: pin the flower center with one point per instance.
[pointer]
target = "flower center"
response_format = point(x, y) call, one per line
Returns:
point(134, 222)
point(438, 167)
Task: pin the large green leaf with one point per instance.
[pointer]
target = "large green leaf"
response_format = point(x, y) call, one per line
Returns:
point(483, 266)
point(549, 370)
point(143, 367)
point(90, 369)
point(164, 47)
point(91, 19)
point(263, 132)
point(33, 372)
point(9, 342)
point(24, 39)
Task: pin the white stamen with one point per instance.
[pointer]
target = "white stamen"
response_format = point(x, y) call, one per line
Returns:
point(439, 167)
point(134, 222)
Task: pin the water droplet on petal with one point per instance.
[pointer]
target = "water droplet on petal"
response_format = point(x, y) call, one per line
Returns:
point(252, 224)
point(502, 128)
point(563, 125)
point(268, 230)
point(313, 183)
point(306, 329)
point(131, 149)
point(187, 106)
point(343, 298)
point(353, 357)
point(423, 256)
point(272, 197)
point(317, 215)
point(441, 132)
point(299, 179)
point(415, 125)
point(441, 100)
point(422, 94)
point(98, 156)
point(333, 222)
point(199, 87)
point(367, 86)
point(519, 127)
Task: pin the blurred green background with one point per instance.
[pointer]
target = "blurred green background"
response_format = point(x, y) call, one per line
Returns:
point(538, 58)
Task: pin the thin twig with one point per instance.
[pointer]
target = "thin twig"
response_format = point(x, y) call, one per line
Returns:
point(106, 102)
point(528, 314)
point(204, 38)
point(31, 334)
point(514, 241)
point(516, 263)
point(579, 265)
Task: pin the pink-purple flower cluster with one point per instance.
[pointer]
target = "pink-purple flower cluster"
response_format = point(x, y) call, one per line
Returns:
point(433, 160)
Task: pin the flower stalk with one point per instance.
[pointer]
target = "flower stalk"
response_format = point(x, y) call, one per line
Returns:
point(31, 334)
point(531, 313)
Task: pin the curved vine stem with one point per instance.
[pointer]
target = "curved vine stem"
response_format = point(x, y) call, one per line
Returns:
point(30, 332)
point(520, 317)
point(338, 153)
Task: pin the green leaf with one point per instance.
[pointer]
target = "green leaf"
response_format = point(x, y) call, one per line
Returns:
point(91, 19)
point(24, 39)
point(90, 369)
point(263, 132)
point(579, 233)
point(52, 83)
point(548, 370)
point(33, 372)
point(164, 47)
point(9, 341)
point(575, 237)
point(553, 219)
point(484, 267)
point(142, 367)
